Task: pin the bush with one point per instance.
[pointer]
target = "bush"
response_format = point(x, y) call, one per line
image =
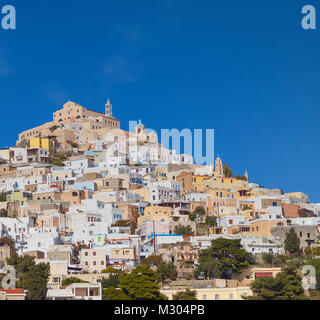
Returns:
point(68, 281)
point(109, 270)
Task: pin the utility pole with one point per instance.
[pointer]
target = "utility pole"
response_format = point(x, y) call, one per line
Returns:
point(154, 239)
point(208, 228)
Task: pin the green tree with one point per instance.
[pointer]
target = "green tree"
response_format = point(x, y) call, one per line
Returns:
point(35, 281)
point(3, 213)
point(111, 293)
point(308, 252)
point(292, 243)
point(285, 286)
point(211, 221)
point(66, 282)
point(192, 217)
point(153, 259)
point(32, 277)
point(227, 171)
point(199, 212)
point(141, 284)
point(185, 295)
point(268, 258)
point(208, 268)
point(54, 128)
point(109, 269)
point(224, 257)
point(112, 281)
point(21, 264)
point(167, 271)
point(183, 230)
point(238, 177)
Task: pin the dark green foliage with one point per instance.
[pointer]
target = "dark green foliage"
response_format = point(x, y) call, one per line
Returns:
point(268, 258)
point(183, 230)
point(32, 277)
point(141, 284)
point(35, 281)
point(66, 282)
point(186, 295)
point(211, 221)
point(238, 177)
point(112, 293)
point(292, 243)
point(112, 281)
point(167, 271)
point(224, 257)
point(199, 212)
point(155, 260)
point(54, 128)
point(227, 171)
point(3, 213)
point(56, 162)
point(285, 286)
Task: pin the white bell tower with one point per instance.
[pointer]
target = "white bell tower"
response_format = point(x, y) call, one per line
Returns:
point(108, 109)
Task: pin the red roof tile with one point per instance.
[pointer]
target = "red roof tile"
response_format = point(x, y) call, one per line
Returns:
point(12, 291)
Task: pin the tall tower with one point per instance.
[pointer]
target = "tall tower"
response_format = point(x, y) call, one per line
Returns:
point(109, 108)
point(218, 169)
point(246, 175)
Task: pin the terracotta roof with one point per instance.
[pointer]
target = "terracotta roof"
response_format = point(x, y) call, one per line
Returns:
point(13, 291)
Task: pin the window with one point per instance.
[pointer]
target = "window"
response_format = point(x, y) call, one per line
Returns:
point(217, 297)
point(204, 297)
point(102, 263)
point(94, 253)
point(245, 294)
point(94, 263)
point(231, 296)
point(86, 254)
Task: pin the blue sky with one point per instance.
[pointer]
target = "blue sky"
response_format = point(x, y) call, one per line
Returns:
point(244, 68)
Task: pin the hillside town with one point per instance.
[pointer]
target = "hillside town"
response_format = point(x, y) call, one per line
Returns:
point(90, 208)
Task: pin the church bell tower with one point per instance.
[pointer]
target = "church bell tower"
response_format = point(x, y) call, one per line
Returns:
point(108, 109)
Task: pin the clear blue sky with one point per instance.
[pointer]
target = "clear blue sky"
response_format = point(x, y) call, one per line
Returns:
point(245, 68)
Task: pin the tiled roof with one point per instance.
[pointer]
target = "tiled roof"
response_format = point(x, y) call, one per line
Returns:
point(13, 291)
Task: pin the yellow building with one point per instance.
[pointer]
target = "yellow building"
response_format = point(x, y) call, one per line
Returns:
point(234, 293)
point(161, 174)
point(155, 213)
point(44, 143)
